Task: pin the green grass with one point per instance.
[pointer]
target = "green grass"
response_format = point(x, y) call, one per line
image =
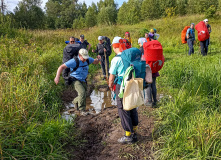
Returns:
point(187, 127)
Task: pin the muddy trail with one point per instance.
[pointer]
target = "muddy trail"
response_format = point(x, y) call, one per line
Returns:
point(100, 129)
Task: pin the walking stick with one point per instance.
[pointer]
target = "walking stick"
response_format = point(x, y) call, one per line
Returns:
point(107, 77)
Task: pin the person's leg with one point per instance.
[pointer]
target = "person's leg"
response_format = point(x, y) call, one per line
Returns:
point(192, 47)
point(149, 93)
point(206, 46)
point(81, 98)
point(154, 90)
point(108, 65)
point(202, 48)
point(189, 42)
point(103, 65)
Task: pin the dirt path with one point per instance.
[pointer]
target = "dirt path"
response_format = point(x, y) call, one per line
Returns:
point(101, 131)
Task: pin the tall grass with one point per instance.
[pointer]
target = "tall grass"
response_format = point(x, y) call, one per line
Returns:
point(30, 124)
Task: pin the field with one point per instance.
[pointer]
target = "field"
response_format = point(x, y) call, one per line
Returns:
point(188, 125)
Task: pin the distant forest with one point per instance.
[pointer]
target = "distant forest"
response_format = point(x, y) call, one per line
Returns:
point(62, 14)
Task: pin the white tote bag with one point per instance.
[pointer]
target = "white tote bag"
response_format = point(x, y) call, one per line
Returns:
point(133, 94)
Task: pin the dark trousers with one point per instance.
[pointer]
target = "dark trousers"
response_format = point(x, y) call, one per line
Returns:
point(103, 63)
point(152, 91)
point(128, 118)
point(190, 44)
point(204, 47)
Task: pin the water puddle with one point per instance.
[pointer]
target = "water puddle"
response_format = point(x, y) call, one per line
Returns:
point(94, 104)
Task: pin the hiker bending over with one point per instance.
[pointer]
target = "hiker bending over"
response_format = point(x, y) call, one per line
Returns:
point(84, 43)
point(103, 51)
point(127, 36)
point(190, 35)
point(78, 77)
point(204, 44)
point(129, 119)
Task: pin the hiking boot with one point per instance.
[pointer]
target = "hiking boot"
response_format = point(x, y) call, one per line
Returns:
point(83, 113)
point(76, 106)
point(154, 104)
point(104, 78)
point(134, 136)
point(125, 140)
point(148, 103)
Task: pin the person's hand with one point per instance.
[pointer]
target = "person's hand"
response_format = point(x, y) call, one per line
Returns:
point(93, 50)
point(105, 50)
point(56, 80)
point(99, 57)
point(111, 86)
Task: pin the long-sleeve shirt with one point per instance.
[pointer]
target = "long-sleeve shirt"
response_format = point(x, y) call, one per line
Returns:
point(191, 33)
point(100, 49)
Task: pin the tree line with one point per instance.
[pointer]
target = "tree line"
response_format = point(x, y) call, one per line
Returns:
point(72, 14)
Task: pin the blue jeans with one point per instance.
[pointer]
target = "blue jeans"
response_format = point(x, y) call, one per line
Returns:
point(190, 44)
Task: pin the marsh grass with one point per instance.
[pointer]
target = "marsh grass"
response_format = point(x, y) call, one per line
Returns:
point(188, 125)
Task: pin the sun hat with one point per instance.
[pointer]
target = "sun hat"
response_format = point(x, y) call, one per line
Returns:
point(100, 38)
point(205, 20)
point(151, 31)
point(84, 53)
point(118, 43)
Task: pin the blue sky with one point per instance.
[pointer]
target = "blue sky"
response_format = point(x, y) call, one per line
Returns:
point(11, 4)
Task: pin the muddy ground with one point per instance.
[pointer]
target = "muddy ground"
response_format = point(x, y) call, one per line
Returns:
point(100, 132)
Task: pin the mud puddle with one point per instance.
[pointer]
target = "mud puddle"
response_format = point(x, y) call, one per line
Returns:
point(95, 103)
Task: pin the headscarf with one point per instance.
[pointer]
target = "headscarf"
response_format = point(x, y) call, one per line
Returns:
point(142, 40)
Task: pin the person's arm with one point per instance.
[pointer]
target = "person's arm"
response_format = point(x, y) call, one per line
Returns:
point(96, 61)
point(89, 47)
point(111, 81)
point(60, 69)
point(187, 34)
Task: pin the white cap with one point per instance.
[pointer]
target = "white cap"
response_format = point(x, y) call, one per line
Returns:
point(116, 40)
point(84, 53)
point(205, 20)
point(100, 38)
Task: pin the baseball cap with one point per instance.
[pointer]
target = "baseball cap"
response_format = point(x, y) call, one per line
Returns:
point(82, 36)
point(117, 40)
point(100, 38)
point(205, 20)
point(84, 53)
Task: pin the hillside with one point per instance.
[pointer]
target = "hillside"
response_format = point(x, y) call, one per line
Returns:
point(187, 126)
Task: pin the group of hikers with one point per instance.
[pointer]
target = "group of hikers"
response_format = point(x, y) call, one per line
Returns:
point(190, 36)
point(76, 61)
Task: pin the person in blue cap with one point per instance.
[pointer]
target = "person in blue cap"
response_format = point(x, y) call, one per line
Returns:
point(190, 35)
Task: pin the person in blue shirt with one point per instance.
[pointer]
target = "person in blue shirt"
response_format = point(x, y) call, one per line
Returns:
point(78, 76)
point(190, 35)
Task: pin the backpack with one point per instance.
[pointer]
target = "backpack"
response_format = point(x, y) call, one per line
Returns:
point(70, 51)
point(132, 56)
point(183, 34)
point(203, 33)
point(107, 45)
point(71, 79)
point(127, 43)
point(153, 53)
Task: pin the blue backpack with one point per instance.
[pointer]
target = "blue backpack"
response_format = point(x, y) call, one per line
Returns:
point(132, 56)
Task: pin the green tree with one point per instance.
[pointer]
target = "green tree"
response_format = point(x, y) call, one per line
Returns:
point(107, 15)
point(181, 7)
point(129, 13)
point(91, 16)
point(28, 14)
point(165, 4)
point(196, 6)
point(150, 9)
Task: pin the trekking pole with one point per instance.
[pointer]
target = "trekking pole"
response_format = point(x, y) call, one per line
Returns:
point(107, 77)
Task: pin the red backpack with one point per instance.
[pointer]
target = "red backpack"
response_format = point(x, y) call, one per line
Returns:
point(153, 53)
point(183, 34)
point(203, 33)
point(127, 43)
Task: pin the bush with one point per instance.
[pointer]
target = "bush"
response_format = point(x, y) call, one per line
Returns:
point(210, 12)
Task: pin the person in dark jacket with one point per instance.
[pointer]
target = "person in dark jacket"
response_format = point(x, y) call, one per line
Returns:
point(84, 43)
point(101, 50)
point(190, 35)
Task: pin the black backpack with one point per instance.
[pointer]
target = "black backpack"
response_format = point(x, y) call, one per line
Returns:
point(107, 45)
